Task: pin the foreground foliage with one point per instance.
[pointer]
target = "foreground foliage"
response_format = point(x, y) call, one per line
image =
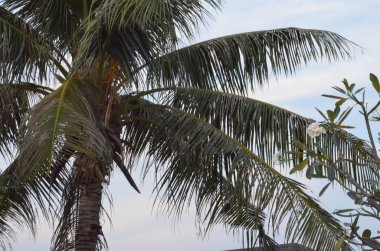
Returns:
point(357, 173)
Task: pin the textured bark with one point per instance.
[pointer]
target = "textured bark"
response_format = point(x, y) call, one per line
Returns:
point(93, 175)
point(89, 227)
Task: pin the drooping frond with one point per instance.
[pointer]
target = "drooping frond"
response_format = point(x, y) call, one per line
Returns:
point(268, 129)
point(62, 121)
point(22, 199)
point(56, 20)
point(360, 163)
point(233, 63)
point(56, 133)
point(15, 100)
point(25, 53)
point(190, 153)
point(257, 125)
point(234, 212)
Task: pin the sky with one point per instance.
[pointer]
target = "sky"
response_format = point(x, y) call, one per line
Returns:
point(135, 226)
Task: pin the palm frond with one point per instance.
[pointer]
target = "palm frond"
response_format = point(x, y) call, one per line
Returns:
point(60, 129)
point(15, 100)
point(56, 20)
point(25, 54)
point(172, 15)
point(267, 129)
point(188, 153)
point(62, 121)
point(235, 213)
point(134, 32)
point(258, 125)
point(22, 198)
point(233, 63)
point(353, 155)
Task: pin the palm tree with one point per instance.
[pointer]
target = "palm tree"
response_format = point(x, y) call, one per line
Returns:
point(91, 87)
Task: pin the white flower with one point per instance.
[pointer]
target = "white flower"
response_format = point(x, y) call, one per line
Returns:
point(278, 158)
point(315, 129)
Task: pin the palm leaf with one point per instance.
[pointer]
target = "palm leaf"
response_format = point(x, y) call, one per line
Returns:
point(56, 20)
point(268, 129)
point(362, 164)
point(19, 198)
point(233, 63)
point(62, 121)
point(25, 54)
point(134, 32)
point(15, 100)
point(64, 235)
point(183, 16)
point(189, 152)
point(235, 213)
point(258, 125)
point(265, 128)
point(56, 132)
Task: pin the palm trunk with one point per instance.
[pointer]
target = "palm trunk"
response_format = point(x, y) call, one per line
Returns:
point(89, 227)
point(92, 175)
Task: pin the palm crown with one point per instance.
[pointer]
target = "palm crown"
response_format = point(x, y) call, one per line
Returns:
point(89, 87)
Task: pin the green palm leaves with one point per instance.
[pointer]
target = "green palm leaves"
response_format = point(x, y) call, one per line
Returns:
point(130, 93)
point(233, 63)
point(195, 155)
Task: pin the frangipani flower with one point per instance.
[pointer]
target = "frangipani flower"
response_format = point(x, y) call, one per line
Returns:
point(278, 158)
point(315, 129)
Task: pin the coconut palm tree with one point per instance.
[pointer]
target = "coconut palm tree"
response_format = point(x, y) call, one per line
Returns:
point(94, 87)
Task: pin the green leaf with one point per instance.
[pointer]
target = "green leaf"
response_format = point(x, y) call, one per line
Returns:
point(346, 127)
point(331, 173)
point(300, 166)
point(340, 102)
point(344, 115)
point(324, 189)
point(301, 146)
point(331, 96)
point(375, 82)
point(331, 115)
point(359, 90)
point(338, 245)
point(320, 112)
point(366, 233)
point(355, 223)
point(352, 86)
point(336, 111)
point(345, 82)
point(309, 171)
point(339, 90)
point(374, 107)
point(342, 211)
point(377, 194)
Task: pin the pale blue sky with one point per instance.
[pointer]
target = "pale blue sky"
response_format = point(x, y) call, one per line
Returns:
point(135, 226)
